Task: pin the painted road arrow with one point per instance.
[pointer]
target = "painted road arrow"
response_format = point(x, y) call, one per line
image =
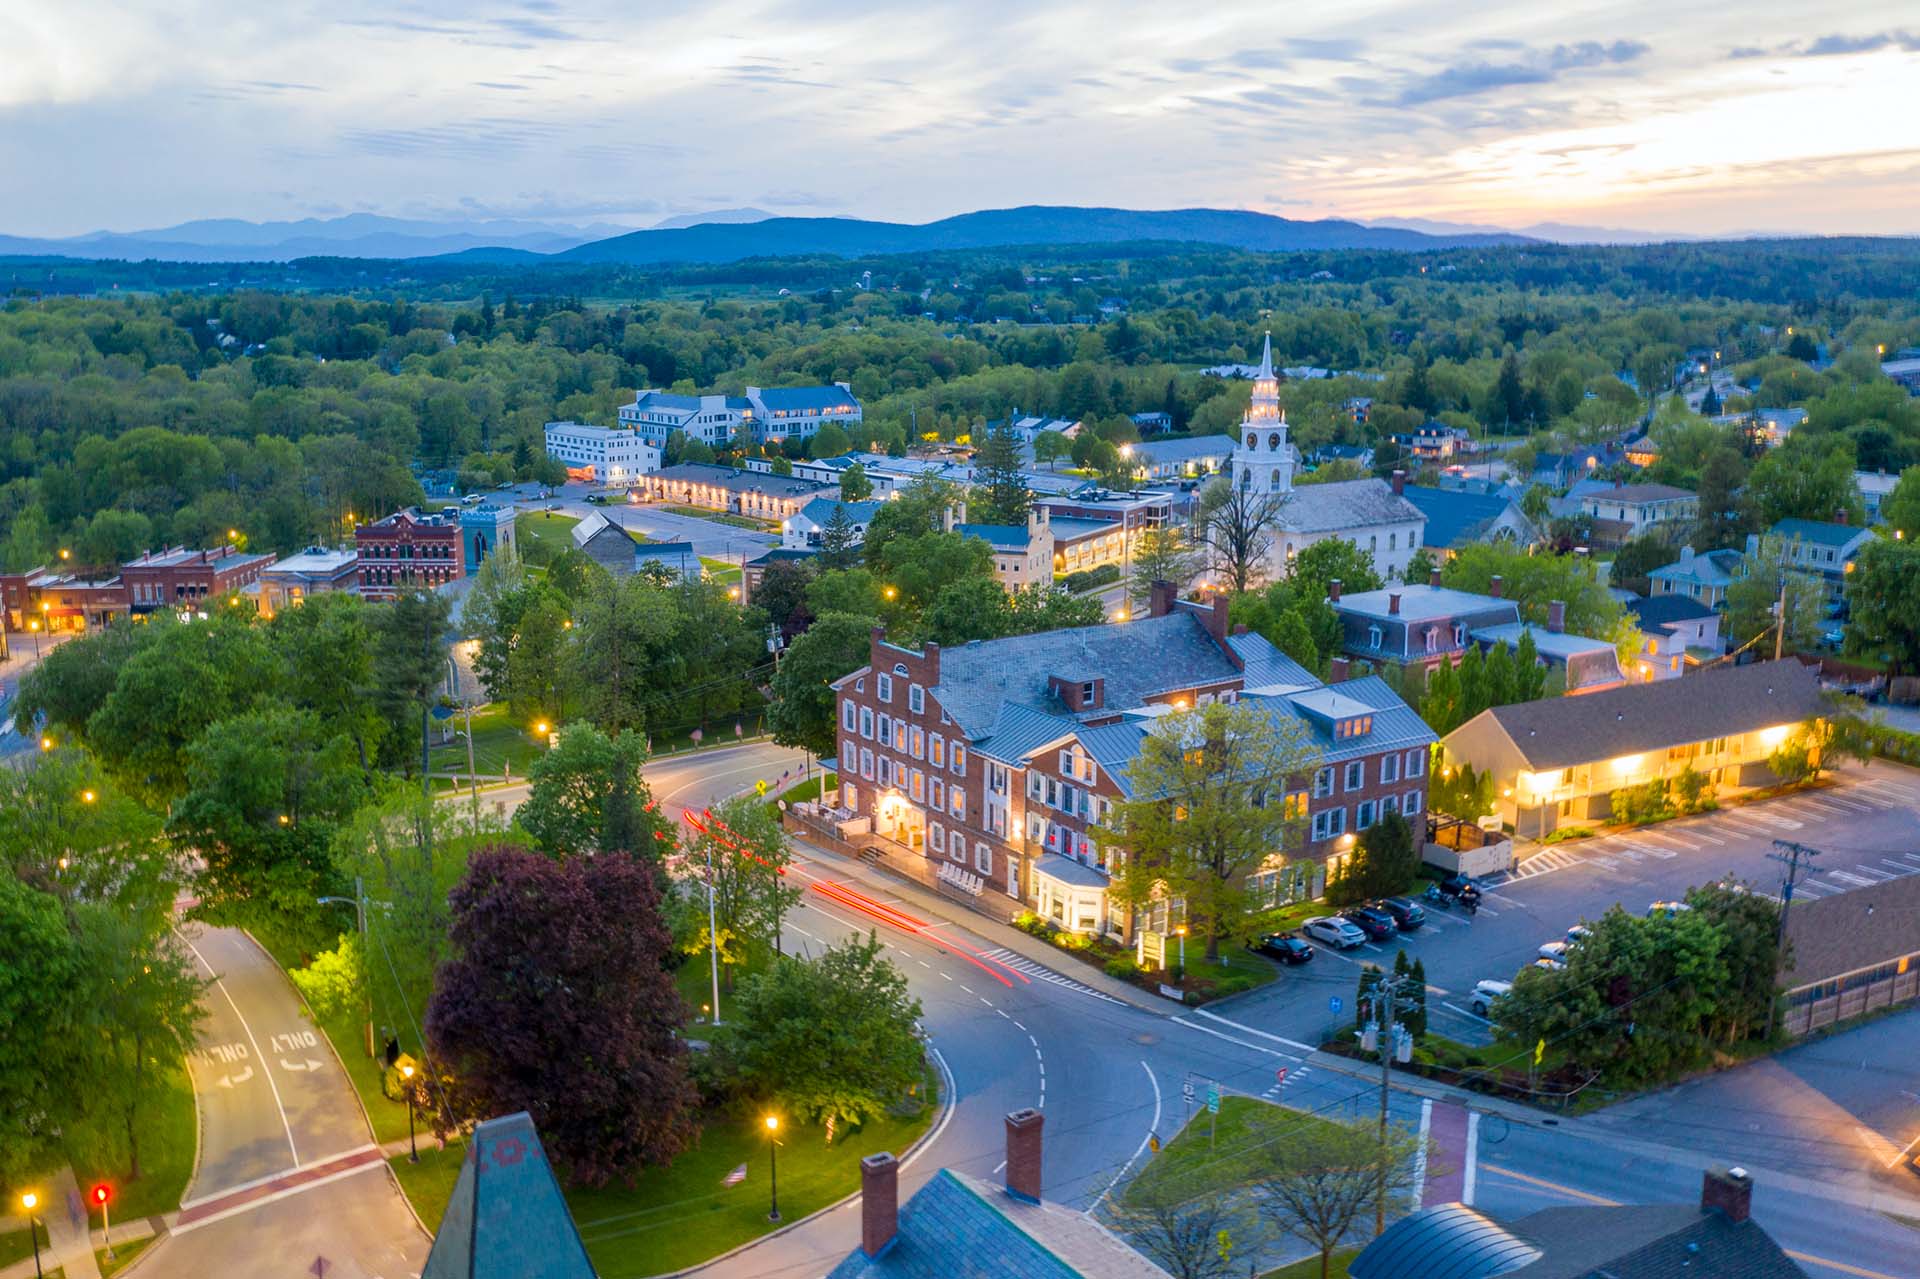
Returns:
point(228, 1081)
point(311, 1064)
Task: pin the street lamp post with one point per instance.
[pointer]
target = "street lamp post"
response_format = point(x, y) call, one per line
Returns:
point(413, 1151)
point(359, 903)
point(101, 1194)
point(773, 1168)
point(1181, 933)
point(29, 1201)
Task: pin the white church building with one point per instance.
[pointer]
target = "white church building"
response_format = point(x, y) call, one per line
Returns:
point(1371, 514)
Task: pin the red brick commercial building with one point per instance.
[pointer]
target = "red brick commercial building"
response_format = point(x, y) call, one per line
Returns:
point(409, 551)
point(994, 760)
point(187, 581)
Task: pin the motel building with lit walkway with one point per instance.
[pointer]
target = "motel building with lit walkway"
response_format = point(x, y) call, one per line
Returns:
point(1558, 761)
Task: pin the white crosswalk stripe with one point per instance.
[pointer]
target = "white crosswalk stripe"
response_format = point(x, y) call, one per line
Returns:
point(1847, 877)
point(1668, 837)
point(1022, 964)
point(1900, 868)
point(1878, 875)
point(1649, 847)
point(1776, 819)
point(1844, 803)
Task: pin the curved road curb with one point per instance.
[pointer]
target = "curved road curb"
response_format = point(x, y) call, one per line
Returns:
point(913, 1152)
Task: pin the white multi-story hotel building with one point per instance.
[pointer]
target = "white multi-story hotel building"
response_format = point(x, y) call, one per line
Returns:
point(602, 454)
point(769, 416)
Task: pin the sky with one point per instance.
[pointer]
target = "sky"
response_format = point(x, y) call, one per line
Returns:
point(1704, 117)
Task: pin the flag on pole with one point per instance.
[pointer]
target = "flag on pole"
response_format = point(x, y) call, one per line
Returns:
point(735, 1177)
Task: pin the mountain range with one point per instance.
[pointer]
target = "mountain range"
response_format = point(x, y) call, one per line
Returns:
point(725, 235)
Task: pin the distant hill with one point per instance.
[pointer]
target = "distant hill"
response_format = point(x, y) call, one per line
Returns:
point(355, 235)
point(711, 215)
point(989, 228)
point(1557, 232)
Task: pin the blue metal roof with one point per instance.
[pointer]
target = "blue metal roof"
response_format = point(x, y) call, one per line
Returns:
point(1454, 517)
point(946, 1231)
point(804, 399)
point(1446, 1241)
point(1818, 532)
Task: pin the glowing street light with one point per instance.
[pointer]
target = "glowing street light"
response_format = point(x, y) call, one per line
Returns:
point(1180, 931)
point(889, 592)
point(773, 1168)
point(100, 1194)
point(542, 728)
point(86, 797)
point(413, 1151)
point(46, 743)
point(28, 1202)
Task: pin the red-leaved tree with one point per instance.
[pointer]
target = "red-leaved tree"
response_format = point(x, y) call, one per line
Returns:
point(559, 1003)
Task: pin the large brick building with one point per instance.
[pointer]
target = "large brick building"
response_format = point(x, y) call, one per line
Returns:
point(409, 551)
point(996, 759)
point(180, 579)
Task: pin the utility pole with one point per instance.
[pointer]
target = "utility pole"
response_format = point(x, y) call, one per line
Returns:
point(1384, 993)
point(1780, 622)
point(1790, 856)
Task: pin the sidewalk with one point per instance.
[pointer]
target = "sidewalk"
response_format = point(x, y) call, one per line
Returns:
point(66, 1243)
point(985, 926)
point(1895, 1202)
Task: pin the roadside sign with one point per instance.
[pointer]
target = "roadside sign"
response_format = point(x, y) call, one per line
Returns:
point(1333, 1003)
point(1186, 1091)
point(760, 787)
point(1153, 1142)
point(1213, 1099)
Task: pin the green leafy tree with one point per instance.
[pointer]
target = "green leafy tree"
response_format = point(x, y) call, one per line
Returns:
point(1443, 703)
point(1236, 528)
point(1185, 1225)
point(1533, 582)
point(973, 608)
point(1002, 496)
point(542, 659)
point(335, 982)
point(1049, 447)
point(1886, 603)
point(740, 850)
point(927, 564)
point(854, 484)
point(1420, 566)
point(1766, 577)
point(37, 1006)
point(1041, 606)
point(1315, 1179)
point(839, 543)
point(1459, 791)
point(410, 656)
point(1900, 509)
point(1724, 520)
point(802, 707)
point(1161, 555)
point(588, 795)
point(831, 440)
point(1639, 557)
point(326, 652)
point(622, 638)
point(1321, 564)
point(141, 997)
point(1383, 863)
point(1208, 806)
point(108, 848)
point(1805, 478)
point(834, 1037)
point(920, 508)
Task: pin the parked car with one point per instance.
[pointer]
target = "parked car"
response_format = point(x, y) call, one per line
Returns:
point(1455, 890)
point(1553, 955)
point(1484, 993)
point(1577, 934)
point(1337, 933)
point(596, 499)
point(1406, 912)
point(1375, 923)
point(1660, 910)
point(504, 485)
point(1284, 947)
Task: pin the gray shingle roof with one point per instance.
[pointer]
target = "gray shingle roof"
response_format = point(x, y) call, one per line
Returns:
point(1344, 504)
point(955, 1227)
point(1184, 450)
point(1663, 609)
point(737, 481)
point(1558, 732)
point(1454, 516)
point(1819, 532)
point(1652, 1241)
point(1836, 934)
point(1422, 603)
point(1709, 568)
point(1137, 659)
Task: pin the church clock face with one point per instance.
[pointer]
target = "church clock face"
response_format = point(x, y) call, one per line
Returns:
point(1273, 441)
point(1252, 440)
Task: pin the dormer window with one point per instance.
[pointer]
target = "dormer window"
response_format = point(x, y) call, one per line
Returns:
point(1459, 634)
point(1373, 637)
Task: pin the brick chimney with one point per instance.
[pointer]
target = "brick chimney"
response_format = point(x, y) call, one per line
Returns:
point(879, 1202)
point(1728, 1189)
point(1839, 515)
point(1023, 1153)
point(1160, 598)
point(1217, 618)
point(931, 673)
point(1333, 590)
point(1556, 616)
point(1433, 577)
point(1498, 585)
point(1337, 670)
point(1399, 483)
point(1393, 604)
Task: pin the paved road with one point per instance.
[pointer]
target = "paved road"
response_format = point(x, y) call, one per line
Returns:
point(286, 1169)
point(709, 538)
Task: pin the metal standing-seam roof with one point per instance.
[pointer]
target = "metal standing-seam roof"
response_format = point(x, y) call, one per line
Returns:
point(1446, 1241)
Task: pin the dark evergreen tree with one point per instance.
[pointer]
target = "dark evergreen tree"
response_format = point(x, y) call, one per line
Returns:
point(1002, 494)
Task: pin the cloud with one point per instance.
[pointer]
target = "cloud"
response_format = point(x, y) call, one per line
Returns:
point(1325, 50)
point(1470, 79)
point(1840, 45)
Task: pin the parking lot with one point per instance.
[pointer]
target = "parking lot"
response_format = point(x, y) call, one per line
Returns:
point(1864, 825)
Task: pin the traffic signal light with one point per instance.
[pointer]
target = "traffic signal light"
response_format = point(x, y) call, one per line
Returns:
point(101, 1194)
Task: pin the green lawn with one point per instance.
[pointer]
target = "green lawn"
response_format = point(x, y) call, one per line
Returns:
point(1310, 1268)
point(1215, 1150)
point(677, 1216)
point(725, 572)
point(806, 790)
point(498, 741)
point(721, 517)
point(544, 534)
point(123, 1255)
point(14, 1245)
point(168, 1133)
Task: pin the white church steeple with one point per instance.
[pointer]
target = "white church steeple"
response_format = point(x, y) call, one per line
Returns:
point(1262, 459)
